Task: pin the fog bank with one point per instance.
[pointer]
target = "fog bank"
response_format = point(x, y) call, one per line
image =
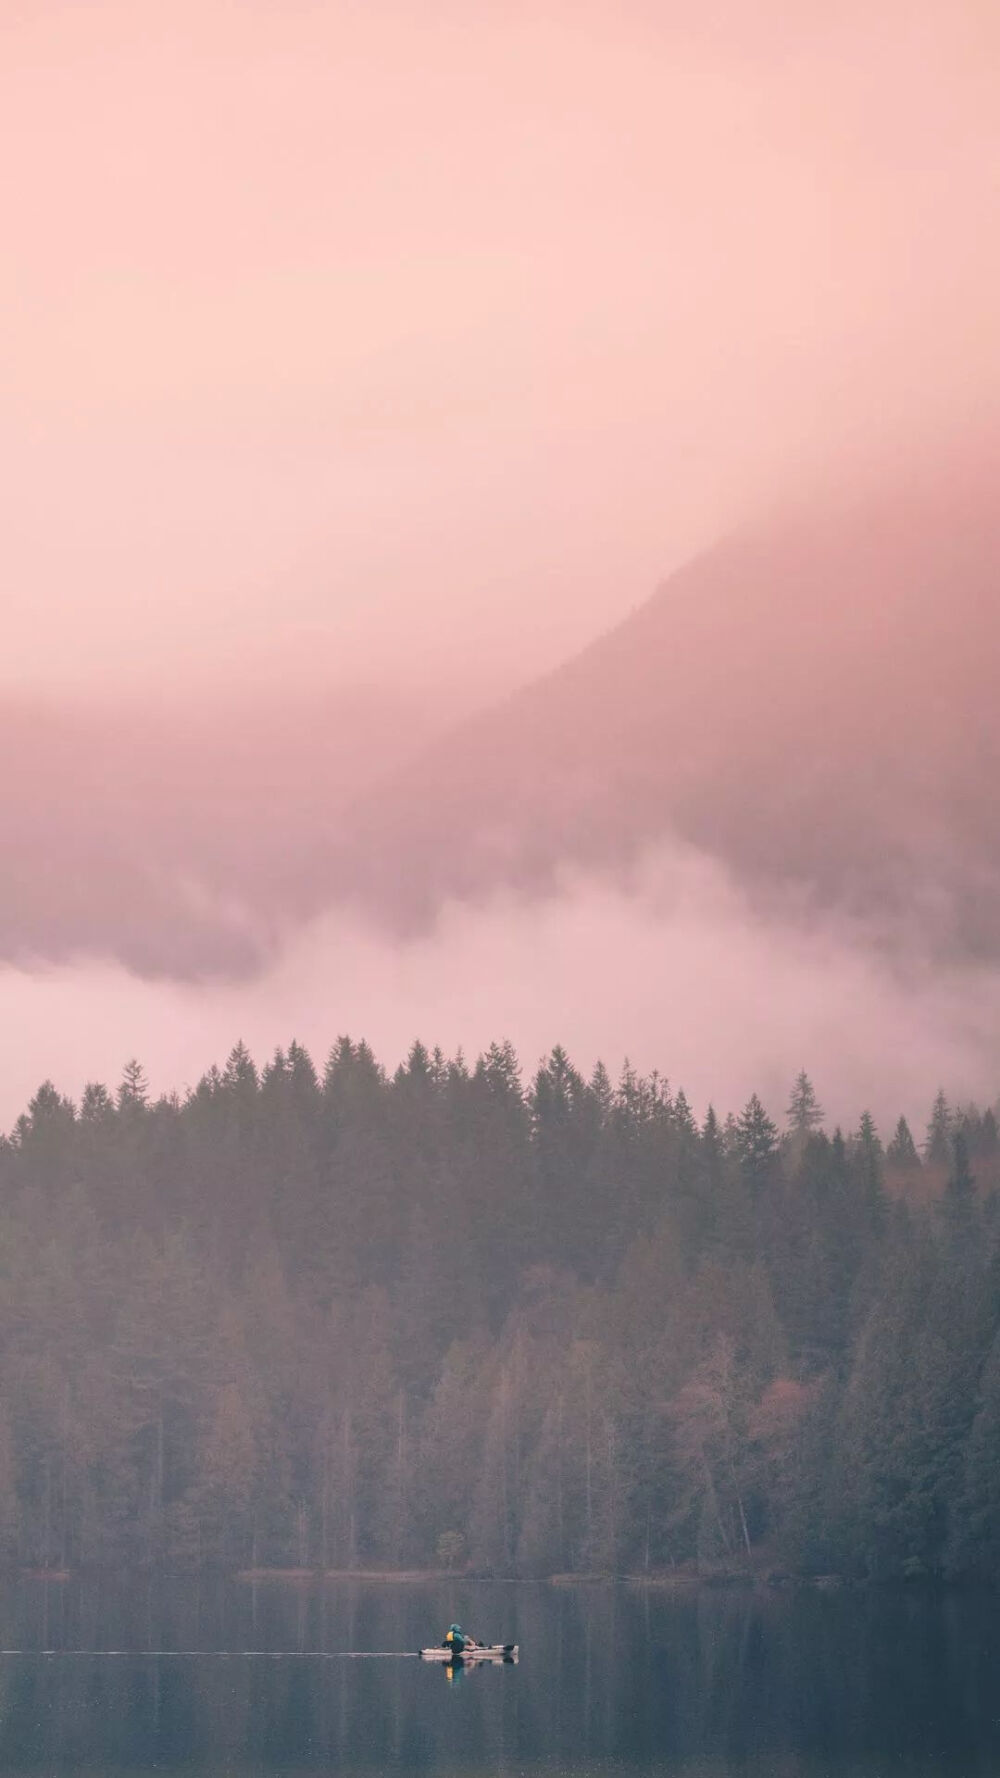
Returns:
point(678, 973)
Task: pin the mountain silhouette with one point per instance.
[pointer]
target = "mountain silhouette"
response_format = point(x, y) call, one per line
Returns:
point(814, 703)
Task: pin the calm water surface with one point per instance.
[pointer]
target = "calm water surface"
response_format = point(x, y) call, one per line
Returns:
point(610, 1682)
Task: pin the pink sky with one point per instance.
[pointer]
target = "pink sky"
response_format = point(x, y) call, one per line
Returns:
point(411, 342)
point(408, 337)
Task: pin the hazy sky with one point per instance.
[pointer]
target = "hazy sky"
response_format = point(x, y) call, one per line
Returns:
point(402, 337)
point(415, 341)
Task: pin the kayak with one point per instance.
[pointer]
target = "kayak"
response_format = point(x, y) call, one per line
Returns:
point(493, 1651)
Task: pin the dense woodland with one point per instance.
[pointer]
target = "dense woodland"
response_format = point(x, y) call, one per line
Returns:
point(452, 1318)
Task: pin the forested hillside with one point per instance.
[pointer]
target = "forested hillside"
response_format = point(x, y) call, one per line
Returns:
point(447, 1317)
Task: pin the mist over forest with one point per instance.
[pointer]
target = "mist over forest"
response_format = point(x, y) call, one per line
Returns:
point(456, 1318)
point(501, 559)
point(501, 536)
point(754, 819)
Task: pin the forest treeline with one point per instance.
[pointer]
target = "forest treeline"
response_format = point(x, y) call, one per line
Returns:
point(450, 1317)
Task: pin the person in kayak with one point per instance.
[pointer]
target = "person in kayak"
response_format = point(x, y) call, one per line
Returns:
point(457, 1641)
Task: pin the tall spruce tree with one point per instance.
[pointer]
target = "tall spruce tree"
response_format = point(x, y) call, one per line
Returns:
point(805, 1113)
point(902, 1150)
point(756, 1140)
point(937, 1143)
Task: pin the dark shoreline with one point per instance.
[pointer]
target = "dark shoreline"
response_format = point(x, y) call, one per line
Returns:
point(669, 1581)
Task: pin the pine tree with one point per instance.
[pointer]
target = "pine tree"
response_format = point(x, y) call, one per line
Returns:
point(240, 1074)
point(756, 1137)
point(96, 1102)
point(902, 1150)
point(133, 1089)
point(937, 1143)
point(805, 1113)
point(869, 1160)
point(958, 1204)
point(726, 1221)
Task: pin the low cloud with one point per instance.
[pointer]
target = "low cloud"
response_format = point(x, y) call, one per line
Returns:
point(677, 972)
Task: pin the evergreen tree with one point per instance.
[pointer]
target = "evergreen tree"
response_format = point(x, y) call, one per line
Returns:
point(902, 1150)
point(96, 1103)
point(869, 1161)
point(958, 1204)
point(937, 1143)
point(133, 1089)
point(756, 1140)
point(805, 1113)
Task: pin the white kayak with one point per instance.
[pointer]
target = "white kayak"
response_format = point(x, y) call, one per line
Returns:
point(492, 1651)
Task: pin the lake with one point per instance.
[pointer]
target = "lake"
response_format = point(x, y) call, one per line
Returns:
point(236, 1678)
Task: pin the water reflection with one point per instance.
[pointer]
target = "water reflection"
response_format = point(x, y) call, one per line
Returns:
point(241, 1678)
